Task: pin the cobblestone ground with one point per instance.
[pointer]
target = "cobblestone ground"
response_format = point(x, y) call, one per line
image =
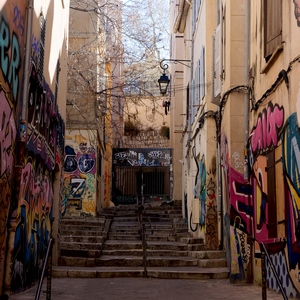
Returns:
point(146, 289)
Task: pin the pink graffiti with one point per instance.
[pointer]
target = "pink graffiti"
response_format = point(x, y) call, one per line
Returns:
point(8, 133)
point(265, 134)
point(36, 196)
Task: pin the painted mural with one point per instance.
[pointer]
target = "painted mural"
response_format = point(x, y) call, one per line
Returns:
point(34, 183)
point(142, 157)
point(267, 208)
point(205, 189)
point(28, 156)
point(79, 176)
point(12, 37)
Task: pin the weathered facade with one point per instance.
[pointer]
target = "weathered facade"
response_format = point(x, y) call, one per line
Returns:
point(93, 105)
point(240, 147)
point(33, 97)
point(84, 146)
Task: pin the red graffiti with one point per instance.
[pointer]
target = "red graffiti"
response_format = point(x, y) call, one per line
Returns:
point(265, 134)
point(8, 134)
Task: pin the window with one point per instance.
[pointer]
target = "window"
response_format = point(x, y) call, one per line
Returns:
point(202, 74)
point(57, 79)
point(192, 100)
point(188, 103)
point(42, 46)
point(196, 7)
point(272, 27)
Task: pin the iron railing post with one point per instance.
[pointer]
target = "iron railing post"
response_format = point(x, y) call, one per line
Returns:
point(144, 251)
point(264, 255)
point(47, 257)
point(263, 275)
point(49, 274)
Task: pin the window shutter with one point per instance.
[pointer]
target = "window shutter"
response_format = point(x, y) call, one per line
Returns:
point(202, 74)
point(188, 102)
point(193, 100)
point(272, 26)
point(196, 84)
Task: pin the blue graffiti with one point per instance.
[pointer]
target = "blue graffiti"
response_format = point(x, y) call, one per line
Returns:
point(70, 164)
point(85, 163)
point(10, 64)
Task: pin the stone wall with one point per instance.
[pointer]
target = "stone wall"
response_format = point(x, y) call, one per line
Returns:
point(146, 139)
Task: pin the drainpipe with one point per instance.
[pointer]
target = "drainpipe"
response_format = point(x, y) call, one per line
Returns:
point(220, 211)
point(246, 113)
point(189, 132)
point(219, 201)
point(30, 7)
point(249, 275)
point(23, 137)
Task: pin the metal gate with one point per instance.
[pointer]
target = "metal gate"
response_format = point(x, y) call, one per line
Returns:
point(147, 177)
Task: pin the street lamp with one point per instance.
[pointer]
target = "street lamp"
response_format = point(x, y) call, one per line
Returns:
point(164, 79)
point(163, 82)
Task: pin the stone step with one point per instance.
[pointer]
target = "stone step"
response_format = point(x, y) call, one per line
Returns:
point(80, 221)
point(80, 246)
point(136, 260)
point(155, 230)
point(150, 237)
point(152, 261)
point(212, 254)
point(76, 261)
point(181, 230)
point(81, 227)
point(80, 253)
point(75, 232)
point(133, 237)
point(212, 263)
point(181, 225)
point(196, 247)
point(131, 213)
point(139, 252)
point(152, 272)
point(151, 245)
point(117, 223)
point(126, 226)
point(191, 240)
point(166, 238)
point(81, 239)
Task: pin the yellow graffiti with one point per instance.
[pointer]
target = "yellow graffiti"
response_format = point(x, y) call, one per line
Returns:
point(258, 204)
point(295, 196)
point(89, 206)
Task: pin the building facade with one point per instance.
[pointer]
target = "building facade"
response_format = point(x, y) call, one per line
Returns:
point(85, 109)
point(240, 143)
point(94, 88)
point(33, 103)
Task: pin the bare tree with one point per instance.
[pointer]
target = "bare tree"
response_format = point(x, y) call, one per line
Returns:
point(127, 37)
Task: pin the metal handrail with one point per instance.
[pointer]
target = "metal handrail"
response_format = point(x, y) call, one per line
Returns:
point(264, 254)
point(143, 235)
point(47, 262)
point(151, 226)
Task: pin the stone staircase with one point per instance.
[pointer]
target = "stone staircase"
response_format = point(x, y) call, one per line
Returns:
point(81, 240)
point(111, 246)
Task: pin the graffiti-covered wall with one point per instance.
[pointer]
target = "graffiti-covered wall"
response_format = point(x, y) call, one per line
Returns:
point(12, 37)
point(80, 168)
point(263, 206)
point(31, 141)
point(143, 174)
point(200, 190)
